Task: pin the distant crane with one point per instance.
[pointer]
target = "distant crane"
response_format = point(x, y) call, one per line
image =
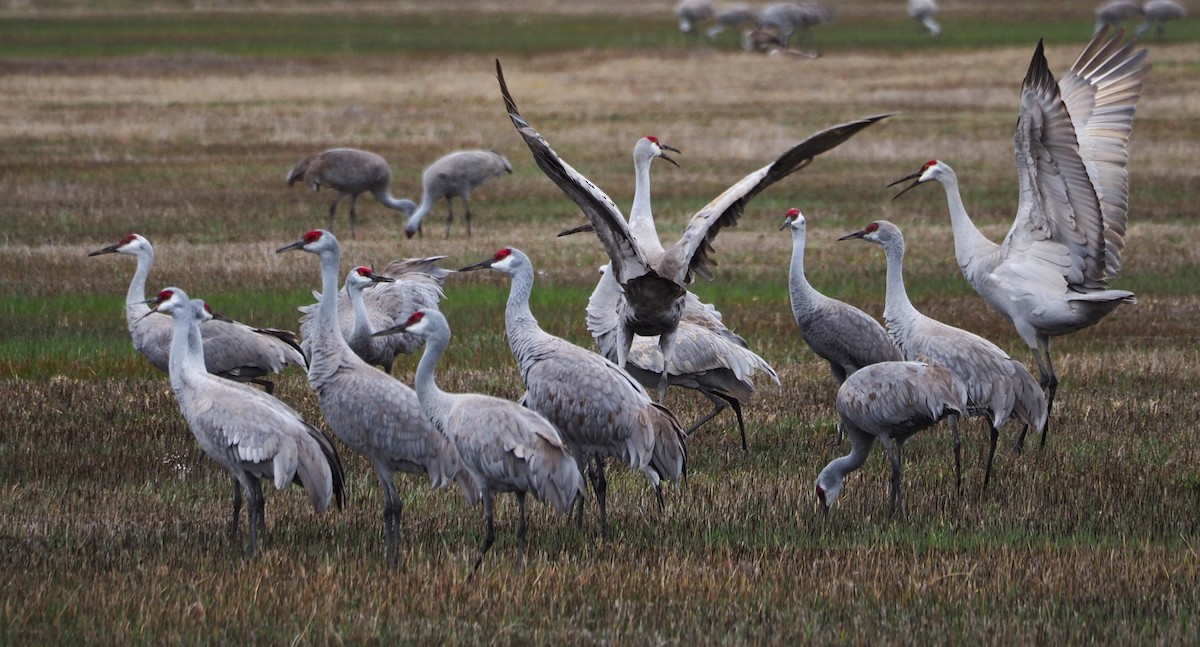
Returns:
point(923, 12)
point(691, 13)
point(788, 17)
point(405, 286)
point(1157, 12)
point(1115, 12)
point(998, 387)
point(374, 414)
point(1050, 275)
point(349, 172)
point(455, 176)
point(599, 410)
point(731, 17)
point(655, 291)
point(232, 350)
point(890, 401)
point(249, 433)
point(506, 447)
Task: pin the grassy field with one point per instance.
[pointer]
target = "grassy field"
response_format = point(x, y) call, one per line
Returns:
point(179, 121)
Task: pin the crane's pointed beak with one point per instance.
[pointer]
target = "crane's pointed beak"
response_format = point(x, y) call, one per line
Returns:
point(379, 278)
point(394, 330)
point(577, 230)
point(787, 222)
point(664, 147)
point(220, 317)
point(916, 176)
point(111, 249)
point(153, 303)
point(287, 248)
point(858, 234)
point(478, 266)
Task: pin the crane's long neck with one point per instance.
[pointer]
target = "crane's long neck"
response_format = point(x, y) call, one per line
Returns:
point(137, 287)
point(435, 403)
point(384, 195)
point(641, 216)
point(803, 295)
point(971, 248)
point(898, 312)
point(187, 352)
point(362, 322)
point(860, 448)
point(519, 323)
point(328, 331)
point(418, 213)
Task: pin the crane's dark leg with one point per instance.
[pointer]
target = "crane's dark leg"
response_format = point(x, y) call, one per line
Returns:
point(333, 209)
point(600, 485)
point(720, 403)
point(995, 435)
point(1049, 383)
point(392, 508)
point(467, 205)
point(490, 537)
point(521, 528)
point(449, 214)
point(267, 385)
point(235, 522)
point(666, 342)
point(257, 522)
point(957, 454)
point(893, 455)
point(353, 214)
point(587, 469)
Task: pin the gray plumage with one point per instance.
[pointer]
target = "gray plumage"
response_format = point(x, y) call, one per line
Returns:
point(374, 414)
point(455, 176)
point(232, 350)
point(349, 172)
point(923, 12)
point(998, 387)
point(788, 17)
point(1157, 12)
point(839, 333)
point(599, 410)
point(890, 401)
point(1050, 275)
point(249, 433)
point(405, 286)
point(731, 17)
point(1115, 12)
point(691, 13)
point(655, 290)
point(506, 447)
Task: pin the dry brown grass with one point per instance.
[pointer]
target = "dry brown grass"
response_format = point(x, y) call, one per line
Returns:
point(112, 519)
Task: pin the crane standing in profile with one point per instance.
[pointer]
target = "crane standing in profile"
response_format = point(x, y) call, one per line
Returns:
point(890, 401)
point(1157, 12)
point(349, 172)
point(249, 433)
point(506, 447)
point(598, 408)
point(998, 387)
point(374, 414)
point(1050, 275)
point(655, 291)
point(454, 176)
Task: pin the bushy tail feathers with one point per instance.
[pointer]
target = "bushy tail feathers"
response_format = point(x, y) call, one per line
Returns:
point(1030, 405)
point(669, 458)
point(319, 470)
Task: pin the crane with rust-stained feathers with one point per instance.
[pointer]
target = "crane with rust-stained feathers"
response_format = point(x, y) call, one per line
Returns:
point(506, 447)
point(655, 290)
point(597, 407)
point(374, 414)
point(1050, 275)
point(249, 433)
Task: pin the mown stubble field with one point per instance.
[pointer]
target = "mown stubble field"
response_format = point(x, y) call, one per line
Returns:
point(113, 521)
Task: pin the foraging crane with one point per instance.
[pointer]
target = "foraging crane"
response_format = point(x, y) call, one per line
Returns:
point(251, 434)
point(232, 350)
point(1050, 275)
point(735, 15)
point(923, 12)
point(455, 176)
point(349, 172)
point(998, 387)
point(1157, 12)
point(599, 410)
point(374, 414)
point(839, 333)
point(890, 401)
point(655, 290)
point(691, 13)
point(787, 17)
point(506, 447)
point(405, 286)
point(1115, 12)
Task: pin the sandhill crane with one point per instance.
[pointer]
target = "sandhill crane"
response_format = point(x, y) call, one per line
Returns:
point(923, 12)
point(787, 17)
point(1157, 12)
point(506, 447)
point(837, 332)
point(1050, 275)
point(249, 433)
point(1115, 12)
point(890, 401)
point(455, 176)
point(597, 407)
point(655, 290)
point(372, 413)
point(350, 172)
point(691, 13)
point(731, 17)
point(232, 350)
point(998, 387)
point(405, 286)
